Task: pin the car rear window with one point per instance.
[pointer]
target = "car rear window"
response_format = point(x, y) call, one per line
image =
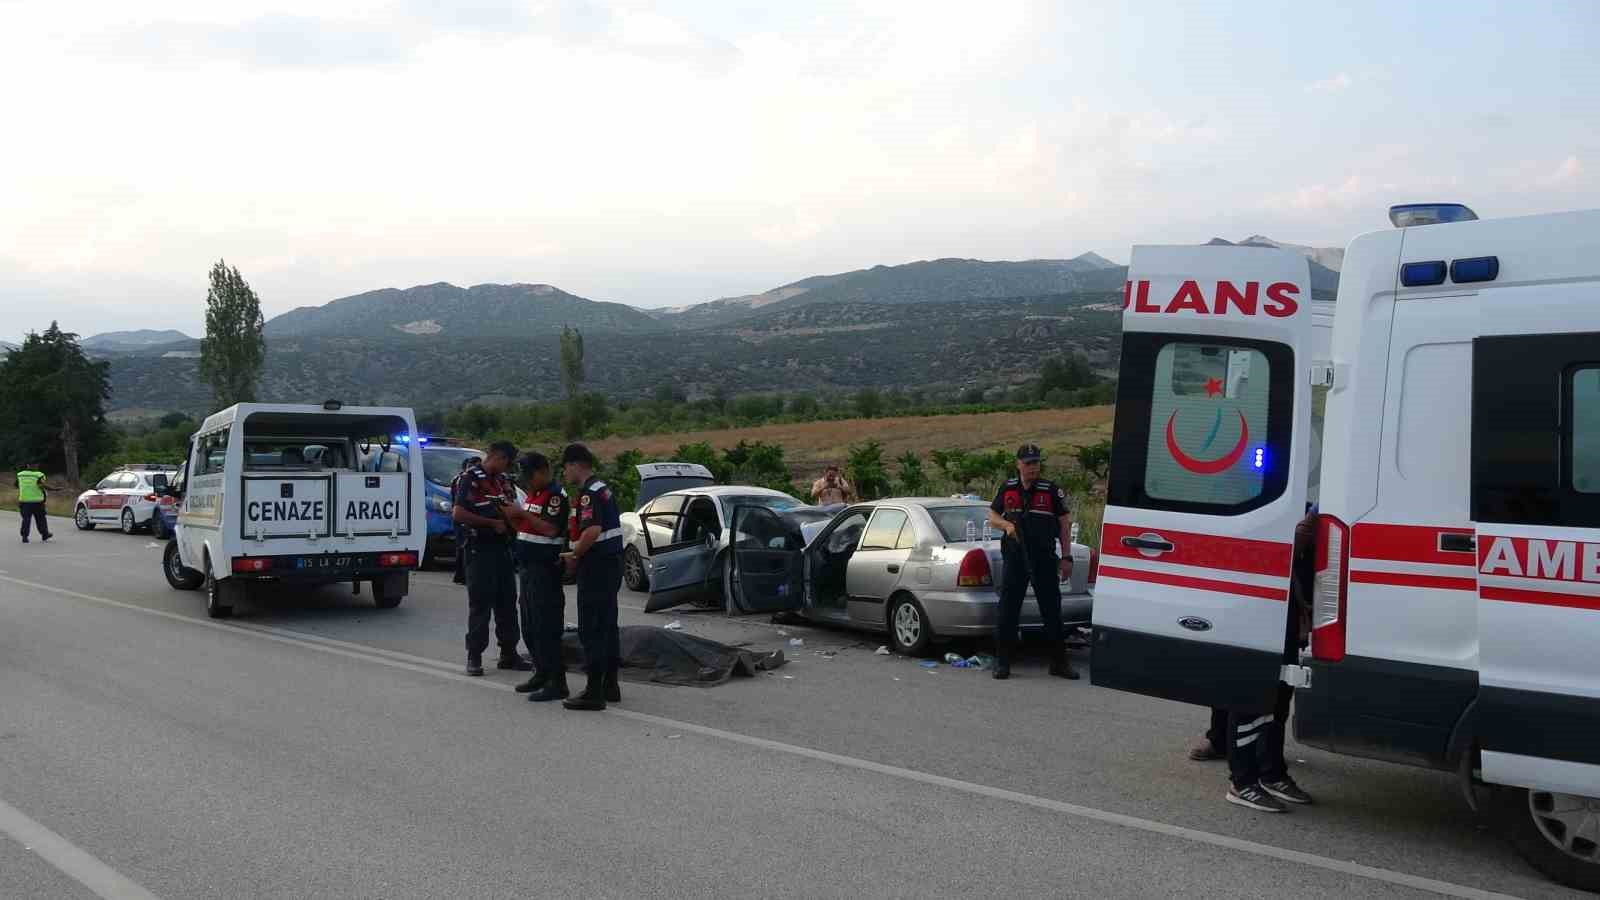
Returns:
point(954, 522)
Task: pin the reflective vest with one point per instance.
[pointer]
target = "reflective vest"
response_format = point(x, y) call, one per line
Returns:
point(28, 490)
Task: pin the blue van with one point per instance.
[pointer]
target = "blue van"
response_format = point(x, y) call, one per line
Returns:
point(440, 465)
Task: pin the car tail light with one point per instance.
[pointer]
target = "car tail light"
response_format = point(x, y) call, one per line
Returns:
point(1328, 603)
point(974, 571)
point(152, 498)
point(246, 564)
point(403, 560)
point(1094, 564)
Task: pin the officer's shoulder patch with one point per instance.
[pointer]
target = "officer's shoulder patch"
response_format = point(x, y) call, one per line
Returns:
point(598, 486)
point(583, 500)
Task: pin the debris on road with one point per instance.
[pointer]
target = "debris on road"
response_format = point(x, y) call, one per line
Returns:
point(674, 625)
point(882, 650)
point(797, 642)
point(663, 656)
point(826, 654)
point(928, 664)
point(953, 658)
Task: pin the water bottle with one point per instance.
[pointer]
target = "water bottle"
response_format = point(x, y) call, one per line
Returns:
point(972, 531)
point(1074, 532)
point(953, 658)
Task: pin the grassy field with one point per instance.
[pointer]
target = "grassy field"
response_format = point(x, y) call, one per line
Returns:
point(810, 446)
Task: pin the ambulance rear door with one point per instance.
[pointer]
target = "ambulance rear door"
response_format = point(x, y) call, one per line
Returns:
point(1536, 510)
point(1208, 475)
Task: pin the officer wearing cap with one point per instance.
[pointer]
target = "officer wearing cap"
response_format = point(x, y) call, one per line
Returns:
point(596, 557)
point(1032, 514)
point(541, 534)
point(481, 497)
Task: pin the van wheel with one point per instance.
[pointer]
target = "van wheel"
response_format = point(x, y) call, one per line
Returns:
point(219, 595)
point(1558, 834)
point(633, 571)
point(178, 575)
point(382, 598)
point(909, 631)
point(129, 523)
point(81, 519)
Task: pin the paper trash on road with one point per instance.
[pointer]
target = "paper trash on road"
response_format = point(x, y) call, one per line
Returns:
point(797, 642)
point(928, 664)
point(674, 625)
point(881, 651)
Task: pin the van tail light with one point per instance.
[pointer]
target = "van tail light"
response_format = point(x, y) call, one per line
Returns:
point(974, 571)
point(1329, 597)
point(400, 560)
point(246, 564)
point(1094, 564)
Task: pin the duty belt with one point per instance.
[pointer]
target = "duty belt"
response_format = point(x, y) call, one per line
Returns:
point(540, 539)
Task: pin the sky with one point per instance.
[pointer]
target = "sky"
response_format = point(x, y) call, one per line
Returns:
point(673, 152)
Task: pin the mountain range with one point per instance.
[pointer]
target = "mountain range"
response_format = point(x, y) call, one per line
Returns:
point(944, 324)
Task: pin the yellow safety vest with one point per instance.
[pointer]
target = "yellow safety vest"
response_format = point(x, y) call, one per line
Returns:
point(28, 490)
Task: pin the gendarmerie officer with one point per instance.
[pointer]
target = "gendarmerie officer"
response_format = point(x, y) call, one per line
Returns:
point(481, 497)
point(541, 536)
point(1032, 513)
point(596, 556)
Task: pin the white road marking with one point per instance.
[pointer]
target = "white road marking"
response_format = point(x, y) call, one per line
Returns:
point(438, 668)
point(70, 860)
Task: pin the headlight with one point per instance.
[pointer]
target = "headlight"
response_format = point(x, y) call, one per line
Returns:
point(440, 504)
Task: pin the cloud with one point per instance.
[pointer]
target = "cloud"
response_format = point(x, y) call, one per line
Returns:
point(1569, 172)
point(1331, 85)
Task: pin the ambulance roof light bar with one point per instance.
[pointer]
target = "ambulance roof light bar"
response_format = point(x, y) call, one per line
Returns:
point(1407, 215)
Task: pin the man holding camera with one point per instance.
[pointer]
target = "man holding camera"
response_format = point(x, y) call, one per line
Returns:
point(832, 487)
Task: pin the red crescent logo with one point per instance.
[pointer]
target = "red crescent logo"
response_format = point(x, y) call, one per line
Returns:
point(1207, 466)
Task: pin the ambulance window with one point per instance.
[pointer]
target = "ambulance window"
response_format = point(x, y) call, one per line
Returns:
point(1202, 425)
point(1584, 389)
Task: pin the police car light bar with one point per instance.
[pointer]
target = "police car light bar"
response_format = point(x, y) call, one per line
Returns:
point(1407, 215)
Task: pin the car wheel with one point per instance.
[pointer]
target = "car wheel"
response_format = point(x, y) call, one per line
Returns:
point(1556, 833)
point(81, 519)
point(909, 631)
point(178, 575)
point(633, 573)
point(219, 595)
point(129, 523)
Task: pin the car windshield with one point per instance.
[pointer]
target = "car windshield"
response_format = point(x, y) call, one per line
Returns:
point(954, 522)
point(441, 465)
point(777, 503)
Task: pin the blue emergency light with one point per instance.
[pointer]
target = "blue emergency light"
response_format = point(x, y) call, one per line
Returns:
point(406, 439)
point(1261, 457)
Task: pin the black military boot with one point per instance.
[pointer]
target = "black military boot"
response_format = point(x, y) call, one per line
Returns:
point(533, 683)
point(474, 664)
point(613, 688)
point(515, 661)
point(593, 696)
point(1002, 668)
point(554, 688)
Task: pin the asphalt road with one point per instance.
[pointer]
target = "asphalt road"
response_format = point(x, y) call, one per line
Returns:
point(315, 746)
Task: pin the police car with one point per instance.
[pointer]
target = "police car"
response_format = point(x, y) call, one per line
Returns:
point(1456, 609)
point(127, 498)
point(290, 493)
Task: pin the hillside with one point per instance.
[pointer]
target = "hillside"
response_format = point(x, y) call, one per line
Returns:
point(822, 347)
point(141, 339)
point(485, 310)
point(929, 281)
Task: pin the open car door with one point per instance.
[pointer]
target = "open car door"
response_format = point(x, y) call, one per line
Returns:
point(1209, 461)
point(768, 562)
point(1536, 509)
point(678, 569)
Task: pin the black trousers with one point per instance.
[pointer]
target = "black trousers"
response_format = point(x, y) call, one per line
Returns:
point(1045, 574)
point(543, 606)
point(33, 512)
point(1255, 746)
point(461, 552)
point(599, 580)
point(491, 590)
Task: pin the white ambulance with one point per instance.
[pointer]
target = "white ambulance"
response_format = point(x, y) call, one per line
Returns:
point(296, 494)
point(1456, 609)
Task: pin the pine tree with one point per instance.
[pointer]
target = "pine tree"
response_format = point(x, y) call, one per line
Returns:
point(52, 403)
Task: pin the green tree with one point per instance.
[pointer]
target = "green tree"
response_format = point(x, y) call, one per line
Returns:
point(52, 403)
point(622, 474)
point(868, 403)
point(864, 467)
point(572, 381)
point(973, 396)
point(1065, 372)
point(913, 480)
point(233, 349)
point(1095, 459)
point(705, 455)
point(803, 406)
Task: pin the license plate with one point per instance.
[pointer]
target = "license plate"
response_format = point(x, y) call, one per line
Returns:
point(329, 563)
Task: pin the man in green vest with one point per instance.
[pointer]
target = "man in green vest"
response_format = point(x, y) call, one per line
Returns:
point(30, 498)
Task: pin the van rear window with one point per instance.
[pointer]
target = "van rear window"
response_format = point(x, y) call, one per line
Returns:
point(1203, 424)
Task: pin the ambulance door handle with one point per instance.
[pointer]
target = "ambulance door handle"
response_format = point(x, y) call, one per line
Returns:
point(1457, 543)
point(1148, 543)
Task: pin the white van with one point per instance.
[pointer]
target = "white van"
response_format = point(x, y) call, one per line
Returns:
point(1456, 612)
point(300, 494)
